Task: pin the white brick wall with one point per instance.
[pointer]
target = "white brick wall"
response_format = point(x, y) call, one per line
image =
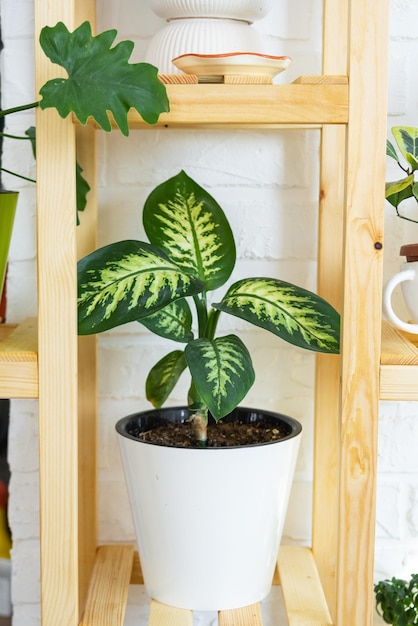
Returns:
point(267, 183)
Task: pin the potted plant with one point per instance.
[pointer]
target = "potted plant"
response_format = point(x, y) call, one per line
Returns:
point(397, 600)
point(201, 495)
point(397, 192)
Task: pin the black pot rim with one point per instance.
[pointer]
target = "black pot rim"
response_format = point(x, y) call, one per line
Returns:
point(180, 413)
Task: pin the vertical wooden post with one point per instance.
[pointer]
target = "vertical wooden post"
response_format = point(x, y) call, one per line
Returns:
point(87, 356)
point(57, 345)
point(362, 280)
point(67, 417)
point(327, 384)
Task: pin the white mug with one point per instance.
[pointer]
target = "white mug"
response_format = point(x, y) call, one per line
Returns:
point(408, 279)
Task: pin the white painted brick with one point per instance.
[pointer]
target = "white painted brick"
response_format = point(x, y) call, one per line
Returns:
point(411, 518)
point(388, 511)
point(297, 527)
point(26, 614)
point(17, 18)
point(115, 519)
point(26, 571)
point(395, 450)
point(403, 19)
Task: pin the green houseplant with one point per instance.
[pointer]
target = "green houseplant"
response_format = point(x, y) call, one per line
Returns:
point(191, 252)
point(406, 138)
point(397, 600)
point(397, 193)
point(204, 543)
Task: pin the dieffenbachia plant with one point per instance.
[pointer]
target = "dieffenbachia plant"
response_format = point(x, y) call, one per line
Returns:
point(191, 251)
point(100, 80)
point(406, 138)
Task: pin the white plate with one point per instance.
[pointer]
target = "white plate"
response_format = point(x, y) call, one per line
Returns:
point(213, 66)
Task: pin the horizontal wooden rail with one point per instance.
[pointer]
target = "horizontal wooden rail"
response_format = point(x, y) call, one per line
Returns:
point(308, 101)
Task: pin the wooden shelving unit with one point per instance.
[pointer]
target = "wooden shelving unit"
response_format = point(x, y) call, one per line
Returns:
point(331, 582)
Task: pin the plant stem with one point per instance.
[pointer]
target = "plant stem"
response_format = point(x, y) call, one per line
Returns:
point(198, 415)
point(22, 107)
point(212, 323)
point(26, 138)
point(31, 180)
point(202, 313)
point(403, 217)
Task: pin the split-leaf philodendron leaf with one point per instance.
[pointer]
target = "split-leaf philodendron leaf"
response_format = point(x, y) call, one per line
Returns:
point(100, 78)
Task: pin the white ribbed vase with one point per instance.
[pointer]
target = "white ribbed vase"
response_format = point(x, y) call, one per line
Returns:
point(247, 10)
point(204, 27)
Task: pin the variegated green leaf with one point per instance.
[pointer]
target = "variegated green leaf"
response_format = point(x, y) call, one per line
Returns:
point(174, 322)
point(290, 312)
point(407, 139)
point(164, 376)
point(222, 372)
point(390, 150)
point(126, 281)
point(399, 190)
point(184, 220)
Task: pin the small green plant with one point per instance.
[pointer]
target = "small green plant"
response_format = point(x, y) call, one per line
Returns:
point(191, 252)
point(100, 81)
point(406, 138)
point(397, 601)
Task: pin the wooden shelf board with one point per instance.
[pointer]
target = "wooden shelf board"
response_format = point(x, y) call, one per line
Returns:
point(109, 585)
point(302, 590)
point(398, 348)
point(117, 566)
point(399, 361)
point(311, 101)
point(19, 360)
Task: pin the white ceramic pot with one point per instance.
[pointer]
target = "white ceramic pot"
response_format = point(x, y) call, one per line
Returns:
point(200, 36)
point(248, 10)
point(208, 521)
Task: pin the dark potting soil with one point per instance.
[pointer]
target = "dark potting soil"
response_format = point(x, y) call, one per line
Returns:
point(220, 435)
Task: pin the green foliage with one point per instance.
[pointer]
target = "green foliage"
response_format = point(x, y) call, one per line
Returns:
point(100, 78)
point(192, 251)
point(406, 138)
point(184, 220)
point(127, 281)
point(163, 377)
point(397, 601)
point(292, 313)
point(222, 372)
